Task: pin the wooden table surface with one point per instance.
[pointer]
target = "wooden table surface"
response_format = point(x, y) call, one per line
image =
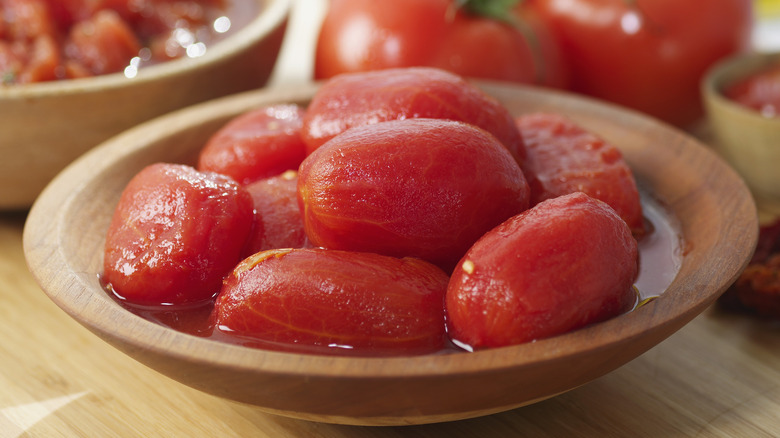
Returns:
point(717, 377)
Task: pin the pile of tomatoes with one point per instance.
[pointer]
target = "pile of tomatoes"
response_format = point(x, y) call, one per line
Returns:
point(645, 54)
point(400, 212)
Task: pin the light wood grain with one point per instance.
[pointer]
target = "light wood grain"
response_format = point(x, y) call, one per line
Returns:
point(717, 377)
point(45, 126)
point(66, 228)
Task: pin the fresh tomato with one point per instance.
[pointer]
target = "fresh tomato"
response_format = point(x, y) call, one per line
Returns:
point(360, 35)
point(646, 54)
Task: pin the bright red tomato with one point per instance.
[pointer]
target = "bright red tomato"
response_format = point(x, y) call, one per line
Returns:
point(174, 234)
point(563, 158)
point(646, 54)
point(257, 144)
point(561, 265)
point(359, 35)
point(318, 300)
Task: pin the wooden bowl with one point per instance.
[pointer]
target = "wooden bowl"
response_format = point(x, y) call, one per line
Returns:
point(749, 141)
point(64, 238)
point(45, 126)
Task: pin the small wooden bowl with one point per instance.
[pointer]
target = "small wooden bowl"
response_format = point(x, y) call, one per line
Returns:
point(749, 141)
point(64, 238)
point(45, 126)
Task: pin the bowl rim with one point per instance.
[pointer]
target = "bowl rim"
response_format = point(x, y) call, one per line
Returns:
point(270, 15)
point(618, 340)
point(722, 74)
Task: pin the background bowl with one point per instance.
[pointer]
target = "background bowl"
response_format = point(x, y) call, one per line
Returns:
point(45, 126)
point(749, 141)
point(65, 233)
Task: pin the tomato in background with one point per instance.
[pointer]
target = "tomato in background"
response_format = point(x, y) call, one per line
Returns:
point(360, 35)
point(646, 54)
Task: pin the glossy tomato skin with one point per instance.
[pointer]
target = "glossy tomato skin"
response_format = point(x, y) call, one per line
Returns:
point(564, 158)
point(258, 144)
point(561, 265)
point(175, 233)
point(424, 188)
point(358, 35)
point(278, 222)
point(357, 99)
point(368, 303)
point(649, 55)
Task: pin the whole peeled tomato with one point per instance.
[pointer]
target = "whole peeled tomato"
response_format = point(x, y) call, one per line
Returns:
point(466, 38)
point(356, 99)
point(258, 144)
point(561, 265)
point(425, 188)
point(315, 300)
point(564, 158)
point(278, 222)
point(174, 234)
point(649, 55)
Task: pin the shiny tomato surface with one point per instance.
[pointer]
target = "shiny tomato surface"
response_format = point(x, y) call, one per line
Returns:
point(361, 302)
point(278, 222)
point(174, 234)
point(564, 158)
point(258, 144)
point(649, 55)
point(357, 99)
point(561, 265)
point(359, 35)
point(424, 188)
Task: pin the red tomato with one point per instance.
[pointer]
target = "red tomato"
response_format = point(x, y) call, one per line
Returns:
point(175, 233)
point(356, 99)
point(649, 55)
point(367, 303)
point(425, 188)
point(258, 144)
point(360, 35)
point(563, 158)
point(278, 222)
point(561, 265)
